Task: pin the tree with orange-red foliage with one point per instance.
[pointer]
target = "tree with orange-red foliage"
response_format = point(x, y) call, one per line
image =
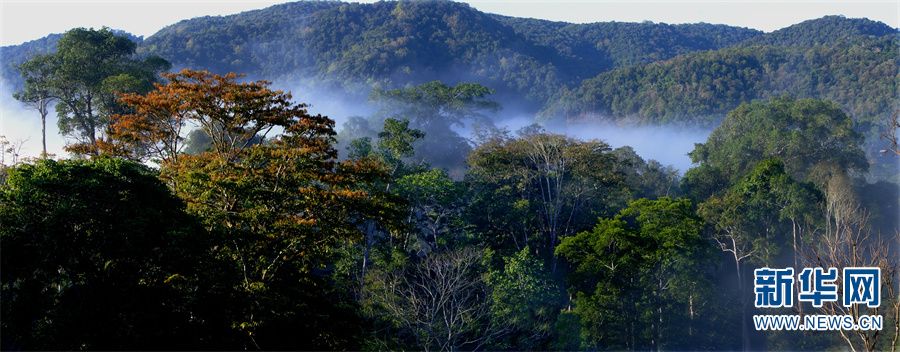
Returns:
point(281, 205)
point(233, 114)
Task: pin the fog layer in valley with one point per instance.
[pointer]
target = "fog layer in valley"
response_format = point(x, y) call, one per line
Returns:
point(668, 145)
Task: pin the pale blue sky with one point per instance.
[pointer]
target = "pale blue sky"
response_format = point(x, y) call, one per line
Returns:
point(24, 20)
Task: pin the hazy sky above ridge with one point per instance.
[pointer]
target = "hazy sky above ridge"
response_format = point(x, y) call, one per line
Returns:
point(24, 20)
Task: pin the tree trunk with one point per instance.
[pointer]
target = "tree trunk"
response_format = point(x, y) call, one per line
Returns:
point(745, 336)
point(370, 234)
point(44, 133)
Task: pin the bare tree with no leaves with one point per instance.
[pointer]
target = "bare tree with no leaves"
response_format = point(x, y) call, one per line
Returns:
point(441, 302)
point(848, 242)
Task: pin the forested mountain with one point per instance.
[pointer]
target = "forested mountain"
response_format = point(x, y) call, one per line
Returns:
point(850, 61)
point(605, 45)
point(14, 55)
point(701, 87)
point(824, 31)
point(206, 211)
point(646, 72)
point(394, 43)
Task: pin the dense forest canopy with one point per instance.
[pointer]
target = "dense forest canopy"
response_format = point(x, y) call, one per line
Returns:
point(203, 207)
point(627, 73)
point(395, 43)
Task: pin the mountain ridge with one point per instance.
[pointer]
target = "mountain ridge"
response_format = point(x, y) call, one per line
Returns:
point(538, 64)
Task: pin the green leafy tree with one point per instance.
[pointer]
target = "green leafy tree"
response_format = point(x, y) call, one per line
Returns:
point(435, 202)
point(435, 101)
point(393, 149)
point(634, 277)
point(646, 179)
point(99, 255)
point(803, 133)
point(524, 301)
point(751, 219)
point(540, 187)
point(38, 92)
point(396, 143)
point(90, 67)
point(434, 108)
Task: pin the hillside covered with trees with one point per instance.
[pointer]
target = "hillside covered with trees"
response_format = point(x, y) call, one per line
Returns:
point(391, 44)
point(203, 207)
point(850, 61)
point(627, 73)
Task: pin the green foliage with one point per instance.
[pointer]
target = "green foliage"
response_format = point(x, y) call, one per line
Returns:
point(805, 133)
point(437, 101)
point(701, 87)
point(97, 255)
point(760, 210)
point(540, 187)
point(359, 46)
point(395, 44)
point(828, 30)
point(37, 76)
point(396, 140)
point(277, 244)
point(636, 273)
point(15, 55)
point(435, 203)
point(434, 108)
point(646, 179)
point(85, 74)
point(608, 45)
point(38, 91)
point(524, 300)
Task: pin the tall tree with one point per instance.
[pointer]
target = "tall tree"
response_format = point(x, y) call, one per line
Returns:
point(90, 67)
point(633, 275)
point(757, 217)
point(435, 203)
point(566, 182)
point(233, 115)
point(525, 301)
point(394, 147)
point(38, 92)
point(803, 133)
point(280, 206)
point(435, 108)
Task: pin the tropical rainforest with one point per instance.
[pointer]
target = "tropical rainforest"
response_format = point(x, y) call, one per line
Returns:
point(202, 204)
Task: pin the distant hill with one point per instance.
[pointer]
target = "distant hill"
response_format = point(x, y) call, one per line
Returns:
point(605, 45)
point(13, 55)
point(824, 31)
point(641, 72)
point(853, 62)
point(390, 44)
